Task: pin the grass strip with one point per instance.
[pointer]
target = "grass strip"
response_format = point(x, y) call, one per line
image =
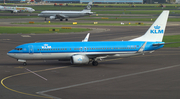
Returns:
point(129, 19)
point(88, 24)
point(37, 30)
point(172, 38)
point(136, 12)
point(11, 17)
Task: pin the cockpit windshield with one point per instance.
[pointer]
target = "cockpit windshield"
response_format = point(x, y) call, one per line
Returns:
point(18, 49)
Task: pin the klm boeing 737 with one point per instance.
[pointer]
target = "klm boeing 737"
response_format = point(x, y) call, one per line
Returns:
point(66, 14)
point(16, 9)
point(91, 52)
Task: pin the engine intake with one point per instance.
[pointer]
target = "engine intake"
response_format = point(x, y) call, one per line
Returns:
point(52, 17)
point(79, 59)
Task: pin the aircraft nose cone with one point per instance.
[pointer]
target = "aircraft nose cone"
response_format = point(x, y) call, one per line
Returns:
point(9, 54)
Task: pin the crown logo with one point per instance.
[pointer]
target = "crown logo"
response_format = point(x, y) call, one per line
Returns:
point(80, 59)
point(157, 27)
point(46, 46)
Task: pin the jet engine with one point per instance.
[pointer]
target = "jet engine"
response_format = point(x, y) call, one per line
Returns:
point(79, 59)
point(52, 17)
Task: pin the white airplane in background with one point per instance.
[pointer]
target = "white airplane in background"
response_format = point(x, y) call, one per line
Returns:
point(16, 9)
point(86, 51)
point(66, 14)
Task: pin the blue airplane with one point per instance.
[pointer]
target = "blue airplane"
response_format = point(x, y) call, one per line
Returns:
point(86, 52)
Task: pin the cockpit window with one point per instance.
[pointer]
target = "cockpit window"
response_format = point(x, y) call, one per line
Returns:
point(18, 49)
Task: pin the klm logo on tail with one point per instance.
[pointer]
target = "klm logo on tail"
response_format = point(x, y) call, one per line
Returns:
point(157, 30)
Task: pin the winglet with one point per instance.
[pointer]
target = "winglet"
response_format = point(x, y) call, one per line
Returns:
point(142, 48)
point(86, 38)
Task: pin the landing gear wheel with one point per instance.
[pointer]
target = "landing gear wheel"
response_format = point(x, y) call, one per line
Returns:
point(45, 19)
point(94, 63)
point(24, 63)
point(61, 19)
point(66, 19)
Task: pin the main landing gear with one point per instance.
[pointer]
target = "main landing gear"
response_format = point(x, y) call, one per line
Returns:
point(45, 19)
point(94, 63)
point(24, 63)
point(62, 19)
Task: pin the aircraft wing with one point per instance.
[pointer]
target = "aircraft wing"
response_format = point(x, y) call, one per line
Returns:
point(104, 55)
point(61, 16)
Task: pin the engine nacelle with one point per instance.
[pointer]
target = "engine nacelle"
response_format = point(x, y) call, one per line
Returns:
point(52, 17)
point(79, 59)
point(15, 11)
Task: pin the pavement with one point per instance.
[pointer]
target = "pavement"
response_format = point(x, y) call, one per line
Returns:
point(153, 75)
point(41, 19)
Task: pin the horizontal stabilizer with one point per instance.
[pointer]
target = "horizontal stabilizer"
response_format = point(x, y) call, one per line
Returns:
point(164, 43)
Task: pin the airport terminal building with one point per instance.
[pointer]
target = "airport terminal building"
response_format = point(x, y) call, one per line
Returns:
point(112, 1)
point(86, 1)
point(81, 1)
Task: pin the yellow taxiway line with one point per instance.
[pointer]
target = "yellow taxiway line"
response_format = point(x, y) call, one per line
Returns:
point(28, 73)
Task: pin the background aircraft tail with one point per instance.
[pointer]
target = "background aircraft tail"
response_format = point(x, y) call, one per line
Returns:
point(157, 29)
point(88, 7)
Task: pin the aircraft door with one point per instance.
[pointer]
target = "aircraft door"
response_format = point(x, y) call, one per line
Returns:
point(83, 49)
point(31, 50)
